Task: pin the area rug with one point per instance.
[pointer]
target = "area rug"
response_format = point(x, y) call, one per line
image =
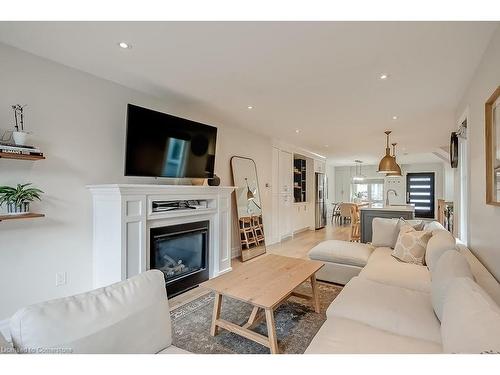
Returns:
point(296, 324)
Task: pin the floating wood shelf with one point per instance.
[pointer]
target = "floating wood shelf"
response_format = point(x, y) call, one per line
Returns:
point(20, 216)
point(9, 155)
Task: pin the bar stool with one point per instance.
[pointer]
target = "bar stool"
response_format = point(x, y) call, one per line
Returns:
point(258, 228)
point(247, 233)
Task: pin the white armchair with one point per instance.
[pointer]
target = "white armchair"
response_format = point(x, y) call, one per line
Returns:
point(131, 316)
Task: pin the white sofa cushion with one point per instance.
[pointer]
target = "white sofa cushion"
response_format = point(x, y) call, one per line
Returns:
point(347, 336)
point(431, 226)
point(411, 244)
point(131, 316)
point(384, 268)
point(385, 231)
point(471, 319)
point(450, 265)
point(440, 242)
point(344, 252)
point(337, 273)
point(397, 310)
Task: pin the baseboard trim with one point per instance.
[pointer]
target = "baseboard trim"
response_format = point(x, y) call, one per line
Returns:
point(235, 252)
point(298, 231)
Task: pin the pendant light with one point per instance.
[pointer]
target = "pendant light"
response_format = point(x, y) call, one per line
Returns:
point(358, 176)
point(398, 169)
point(251, 195)
point(388, 163)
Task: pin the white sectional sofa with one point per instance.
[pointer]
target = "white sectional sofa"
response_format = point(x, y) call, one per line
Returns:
point(131, 316)
point(389, 306)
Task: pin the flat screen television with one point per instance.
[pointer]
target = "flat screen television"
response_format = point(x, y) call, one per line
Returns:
point(162, 145)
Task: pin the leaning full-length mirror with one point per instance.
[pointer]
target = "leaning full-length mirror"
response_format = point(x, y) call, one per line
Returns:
point(249, 207)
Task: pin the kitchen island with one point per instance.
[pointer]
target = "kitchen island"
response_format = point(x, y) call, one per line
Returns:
point(368, 213)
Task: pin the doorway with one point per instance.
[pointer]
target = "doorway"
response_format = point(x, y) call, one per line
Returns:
point(420, 191)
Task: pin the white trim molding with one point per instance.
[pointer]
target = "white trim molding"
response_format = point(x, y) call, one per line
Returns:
point(123, 216)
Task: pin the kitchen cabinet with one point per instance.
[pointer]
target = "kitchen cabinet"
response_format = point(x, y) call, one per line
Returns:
point(285, 198)
point(319, 166)
point(303, 215)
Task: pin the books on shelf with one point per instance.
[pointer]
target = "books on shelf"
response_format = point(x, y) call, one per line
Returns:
point(22, 150)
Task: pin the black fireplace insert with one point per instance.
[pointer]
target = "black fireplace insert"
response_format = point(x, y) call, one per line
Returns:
point(181, 253)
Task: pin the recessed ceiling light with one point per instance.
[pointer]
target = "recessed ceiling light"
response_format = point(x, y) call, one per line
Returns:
point(297, 131)
point(384, 76)
point(124, 45)
point(250, 107)
point(394, 117)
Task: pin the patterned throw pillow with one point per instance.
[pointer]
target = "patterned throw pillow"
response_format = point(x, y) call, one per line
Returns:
point(411, 244)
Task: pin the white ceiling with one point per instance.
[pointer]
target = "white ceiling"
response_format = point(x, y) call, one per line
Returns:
point(319, 77)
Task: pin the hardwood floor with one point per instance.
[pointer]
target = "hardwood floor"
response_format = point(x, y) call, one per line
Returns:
point(297, 247)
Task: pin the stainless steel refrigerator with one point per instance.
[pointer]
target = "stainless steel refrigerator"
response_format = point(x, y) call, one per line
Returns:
point(320, 204)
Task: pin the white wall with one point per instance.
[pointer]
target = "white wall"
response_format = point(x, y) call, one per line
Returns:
point(449, 182)
point(331, 198)
point(484, 220)
point(79, 122)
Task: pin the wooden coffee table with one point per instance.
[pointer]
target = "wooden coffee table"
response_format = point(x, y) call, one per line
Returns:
point(264, 283)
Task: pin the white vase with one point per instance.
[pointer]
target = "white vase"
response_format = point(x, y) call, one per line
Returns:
point(20, 138)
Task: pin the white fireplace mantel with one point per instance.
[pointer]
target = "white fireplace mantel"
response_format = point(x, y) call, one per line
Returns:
point(123, 217)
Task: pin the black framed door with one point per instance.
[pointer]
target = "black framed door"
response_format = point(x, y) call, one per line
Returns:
point(420, 191)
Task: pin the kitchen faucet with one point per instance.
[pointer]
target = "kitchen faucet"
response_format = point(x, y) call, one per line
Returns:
point(387, 196)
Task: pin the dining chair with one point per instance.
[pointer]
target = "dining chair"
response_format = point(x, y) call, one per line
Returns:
point(335, 211)
point(355, 224)
point(345, 212)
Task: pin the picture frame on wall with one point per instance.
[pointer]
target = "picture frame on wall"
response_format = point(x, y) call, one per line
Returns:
point(492, 143)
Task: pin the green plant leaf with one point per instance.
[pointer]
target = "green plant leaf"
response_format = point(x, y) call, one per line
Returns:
point(20, 194)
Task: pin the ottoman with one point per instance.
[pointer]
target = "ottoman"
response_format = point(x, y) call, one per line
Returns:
point(343, 260)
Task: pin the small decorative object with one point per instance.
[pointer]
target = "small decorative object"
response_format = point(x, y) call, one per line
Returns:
point(214, 181)
point(198, 181)
point(19, 135)
point(454, 150)
point(492, 135)
point(18, 198)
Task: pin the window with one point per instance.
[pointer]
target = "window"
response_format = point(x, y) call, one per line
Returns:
point(368, 190)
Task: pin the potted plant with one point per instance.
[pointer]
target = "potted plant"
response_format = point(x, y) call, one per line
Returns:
point(18, 198)
point(19, 134)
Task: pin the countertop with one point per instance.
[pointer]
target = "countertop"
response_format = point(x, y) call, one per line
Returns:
point(381, 207)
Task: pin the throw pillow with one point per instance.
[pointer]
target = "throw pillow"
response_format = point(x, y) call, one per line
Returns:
point(471, 319)
point(385, 231)
point(411, 244)
point(418, 225)
point(450, 265)
point(433, 225)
